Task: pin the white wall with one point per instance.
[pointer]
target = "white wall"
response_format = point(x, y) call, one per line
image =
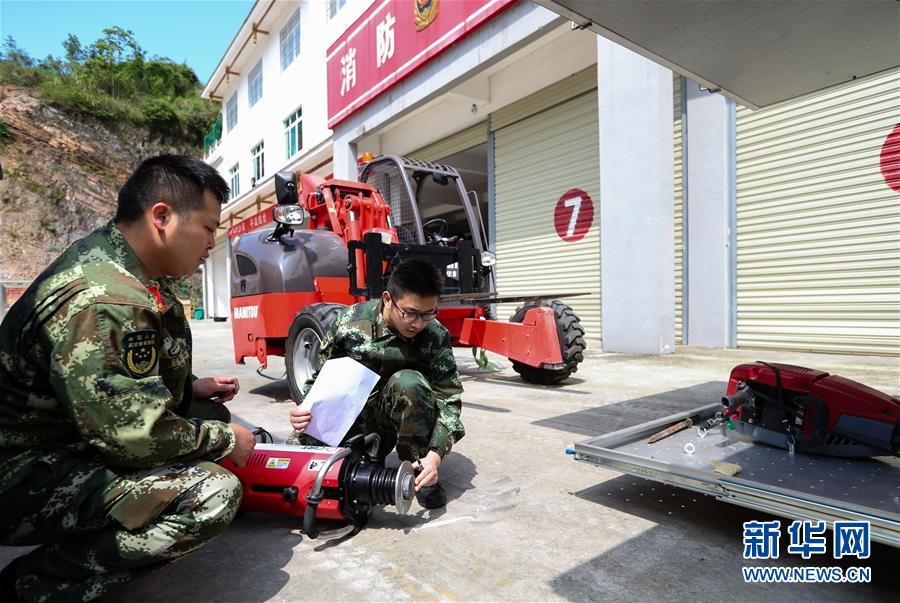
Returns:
point(709, 214)
point(217, 281)
point(301, 84)
point(637, 202)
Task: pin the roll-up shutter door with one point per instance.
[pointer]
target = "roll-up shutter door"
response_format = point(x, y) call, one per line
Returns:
point(545, 145)
point(818, 229)
point(455, 143)
point(679, 209)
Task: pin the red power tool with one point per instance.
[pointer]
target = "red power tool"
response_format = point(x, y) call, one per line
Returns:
point(811, 411)
point(317, 482)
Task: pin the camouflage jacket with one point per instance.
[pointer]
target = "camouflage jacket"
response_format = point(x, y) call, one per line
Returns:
point(92, 361)
point(361, 333)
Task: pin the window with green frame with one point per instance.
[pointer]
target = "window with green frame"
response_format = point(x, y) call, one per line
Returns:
point(293, 133)
point(257, 163)
point(234, 177)
point(290, 40)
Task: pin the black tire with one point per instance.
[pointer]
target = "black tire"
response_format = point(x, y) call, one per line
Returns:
point(571, 344)
point(301, 350)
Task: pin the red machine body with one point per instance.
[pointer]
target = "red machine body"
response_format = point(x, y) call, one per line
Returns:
point(274, 469)
point(322, 483)
point(276, 312)
point(260, 323)
point(811, 410)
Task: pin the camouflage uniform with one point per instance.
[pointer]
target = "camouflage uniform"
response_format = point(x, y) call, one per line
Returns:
point(97, 460)
point(416, 402)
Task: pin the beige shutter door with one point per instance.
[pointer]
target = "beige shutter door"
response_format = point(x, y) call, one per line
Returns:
point(679, 209)
point(544, 146)
point(455, 143)
point(818, 229)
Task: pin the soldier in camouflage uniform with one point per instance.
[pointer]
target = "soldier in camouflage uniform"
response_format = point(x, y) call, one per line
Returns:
point(416, 402)
point(100, 460)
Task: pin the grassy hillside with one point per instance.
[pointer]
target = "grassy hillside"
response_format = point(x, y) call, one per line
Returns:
point(71, 131)
point(113, 80)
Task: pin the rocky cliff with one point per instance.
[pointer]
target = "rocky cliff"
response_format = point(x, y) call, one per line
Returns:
point(61, 176)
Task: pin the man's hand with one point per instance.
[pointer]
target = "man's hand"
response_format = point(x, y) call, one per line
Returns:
point(220, 389)
point(300, 419)
point(428, 475)
point(244, 443)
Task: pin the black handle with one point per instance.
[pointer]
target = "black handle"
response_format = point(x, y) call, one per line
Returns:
point(352, 246)
point(309, 517)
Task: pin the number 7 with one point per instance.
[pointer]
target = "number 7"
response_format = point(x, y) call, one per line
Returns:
point(575, 203)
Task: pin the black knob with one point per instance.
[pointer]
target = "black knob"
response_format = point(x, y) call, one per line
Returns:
point(290, 494)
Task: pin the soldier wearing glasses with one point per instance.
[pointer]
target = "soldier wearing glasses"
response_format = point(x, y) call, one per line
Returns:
point(416, 403)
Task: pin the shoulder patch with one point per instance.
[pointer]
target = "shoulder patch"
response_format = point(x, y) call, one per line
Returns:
point(139, 351)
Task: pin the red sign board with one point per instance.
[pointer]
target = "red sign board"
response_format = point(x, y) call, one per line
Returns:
point(393, 39)
point(257, 220)
point(574, 215)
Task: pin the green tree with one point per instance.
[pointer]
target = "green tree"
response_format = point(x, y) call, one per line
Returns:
point(114, 62)
point(74, 52)
point(13, 54)
point(112, 79)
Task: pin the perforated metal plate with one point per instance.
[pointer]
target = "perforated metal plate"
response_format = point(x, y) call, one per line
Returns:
point(797, 486)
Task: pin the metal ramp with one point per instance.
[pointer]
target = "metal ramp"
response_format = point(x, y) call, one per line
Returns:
point(797, 486)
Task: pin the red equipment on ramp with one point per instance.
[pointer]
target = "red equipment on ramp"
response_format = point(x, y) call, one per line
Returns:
point(811, 411)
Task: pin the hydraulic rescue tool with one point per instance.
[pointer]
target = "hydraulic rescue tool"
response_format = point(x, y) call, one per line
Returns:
point(811, 411)
point(828, 420)
point(317, 482)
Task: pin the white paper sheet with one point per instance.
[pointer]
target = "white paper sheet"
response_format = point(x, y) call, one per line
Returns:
point(337, 397)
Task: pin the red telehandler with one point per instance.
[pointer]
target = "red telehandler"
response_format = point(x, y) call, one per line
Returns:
point(289, 282)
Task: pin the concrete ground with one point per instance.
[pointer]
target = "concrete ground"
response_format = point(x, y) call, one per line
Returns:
point(525, 522)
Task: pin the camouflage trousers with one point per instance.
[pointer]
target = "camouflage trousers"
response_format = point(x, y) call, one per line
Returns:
point(403, 412)
point(99, 527)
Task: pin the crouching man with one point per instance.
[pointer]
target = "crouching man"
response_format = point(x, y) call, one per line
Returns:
point(416, 402)
point(103, 459)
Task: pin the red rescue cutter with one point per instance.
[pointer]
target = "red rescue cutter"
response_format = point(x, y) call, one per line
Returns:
point(320, 483)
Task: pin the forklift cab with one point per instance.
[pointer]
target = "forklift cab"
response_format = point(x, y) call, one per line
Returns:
point(429, 202)
point(432, 212)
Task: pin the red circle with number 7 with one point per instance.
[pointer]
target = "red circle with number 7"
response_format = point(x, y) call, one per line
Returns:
point(890, 159)
point(574, 215)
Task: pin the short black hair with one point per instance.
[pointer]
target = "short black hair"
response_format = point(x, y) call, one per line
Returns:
point(177, 179)
point(415, 276)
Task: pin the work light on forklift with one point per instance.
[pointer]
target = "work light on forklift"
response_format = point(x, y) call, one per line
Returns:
point(289, 215)
point(488, 258)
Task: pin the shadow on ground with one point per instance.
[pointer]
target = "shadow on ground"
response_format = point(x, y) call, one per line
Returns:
point(473, 373)
point(457, 473)
point(278, 391)
point(250, 556)
point(601, 420)
point(688, 531)
point(247, 563)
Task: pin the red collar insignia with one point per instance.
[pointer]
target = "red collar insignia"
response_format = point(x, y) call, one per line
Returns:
point(154, 291)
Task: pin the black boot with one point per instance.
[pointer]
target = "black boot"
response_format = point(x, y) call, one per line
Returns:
point(432, 497)
point(8, 583)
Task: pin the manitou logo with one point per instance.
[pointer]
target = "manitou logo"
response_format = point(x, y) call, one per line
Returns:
point(246, 312)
